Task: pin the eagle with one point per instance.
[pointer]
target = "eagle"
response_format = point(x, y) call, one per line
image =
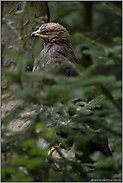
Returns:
point(58, 48)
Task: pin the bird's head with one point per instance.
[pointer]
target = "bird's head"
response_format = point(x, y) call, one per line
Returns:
point(50, 31)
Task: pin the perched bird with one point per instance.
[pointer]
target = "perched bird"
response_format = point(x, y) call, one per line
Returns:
point(56, 47)
point(59, 49)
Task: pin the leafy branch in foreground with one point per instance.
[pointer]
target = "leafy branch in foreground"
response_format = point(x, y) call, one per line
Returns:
point(37, 106)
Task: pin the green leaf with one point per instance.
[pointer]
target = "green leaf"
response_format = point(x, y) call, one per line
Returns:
point(28, 143)
point(19, 11)
point(33, 163)
point(113, 8)
point(22, 160)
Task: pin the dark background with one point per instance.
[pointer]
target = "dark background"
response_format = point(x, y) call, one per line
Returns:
point(29, 105)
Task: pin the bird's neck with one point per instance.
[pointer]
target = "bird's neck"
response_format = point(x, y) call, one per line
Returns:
point(56, 41)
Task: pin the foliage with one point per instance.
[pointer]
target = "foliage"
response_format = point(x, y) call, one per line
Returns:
point(50, 108)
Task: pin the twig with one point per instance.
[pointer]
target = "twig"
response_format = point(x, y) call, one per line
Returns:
point(11, 27)
point(12, 9)
point(27, 35)
point(27, 21)
point(21, 21)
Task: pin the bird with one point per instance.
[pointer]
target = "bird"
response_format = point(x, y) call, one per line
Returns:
point(59, 49)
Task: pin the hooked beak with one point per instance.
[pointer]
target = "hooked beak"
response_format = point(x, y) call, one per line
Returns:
point(37, 34)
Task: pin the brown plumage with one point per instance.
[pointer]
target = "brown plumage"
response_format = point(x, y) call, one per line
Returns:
point(56, 47)
point(59, 49)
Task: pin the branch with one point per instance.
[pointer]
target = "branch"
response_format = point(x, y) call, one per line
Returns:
point(11, 27)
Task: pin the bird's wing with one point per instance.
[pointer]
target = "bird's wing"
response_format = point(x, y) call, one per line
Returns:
point(58, 53)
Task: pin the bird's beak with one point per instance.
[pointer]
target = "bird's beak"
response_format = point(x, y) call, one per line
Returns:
point(37, 34)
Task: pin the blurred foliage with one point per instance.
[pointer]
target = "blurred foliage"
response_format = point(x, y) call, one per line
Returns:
point(23, 157)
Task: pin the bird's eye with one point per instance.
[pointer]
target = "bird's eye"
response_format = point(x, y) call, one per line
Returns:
point(45, 32)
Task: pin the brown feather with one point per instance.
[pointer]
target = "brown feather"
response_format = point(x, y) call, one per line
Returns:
point(56, 47)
